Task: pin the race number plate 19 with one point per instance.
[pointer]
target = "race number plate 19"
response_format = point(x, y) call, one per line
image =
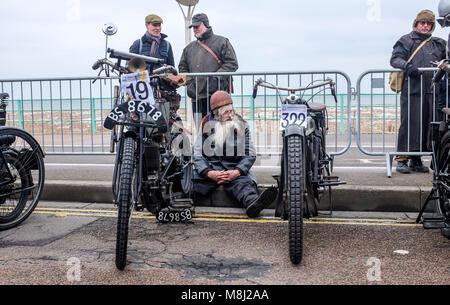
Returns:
point(137, 85)
point(293, 114)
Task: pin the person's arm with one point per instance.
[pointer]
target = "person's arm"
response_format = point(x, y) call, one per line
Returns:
point(399, 58)
point(135, 47)
point(183, 66)
point(170, 58)
point(228, 58)
point(249, 159)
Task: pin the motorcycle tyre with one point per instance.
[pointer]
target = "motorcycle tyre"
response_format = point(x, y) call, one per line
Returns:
point(295, 197)
point(445, 149)
point(124, 202)
point(38, 168)
point(25, 182)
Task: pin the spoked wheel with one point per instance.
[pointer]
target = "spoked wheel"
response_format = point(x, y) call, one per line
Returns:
point(21, 176)
point(444, 192)
point(295, 192)
point(124, 201)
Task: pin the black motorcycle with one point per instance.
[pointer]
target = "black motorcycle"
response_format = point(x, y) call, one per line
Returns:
point(153, 167)
point(305, 164)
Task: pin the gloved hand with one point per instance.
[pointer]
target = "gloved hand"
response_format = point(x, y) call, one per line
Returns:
point(412, 71)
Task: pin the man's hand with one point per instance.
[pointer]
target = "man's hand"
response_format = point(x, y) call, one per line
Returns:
point(217, 176)
point(224, 176)
point(229, 176)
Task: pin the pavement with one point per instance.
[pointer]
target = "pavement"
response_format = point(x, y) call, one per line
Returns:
point(88, 179)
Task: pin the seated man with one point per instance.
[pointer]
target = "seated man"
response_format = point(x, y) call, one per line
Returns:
point(224, 154)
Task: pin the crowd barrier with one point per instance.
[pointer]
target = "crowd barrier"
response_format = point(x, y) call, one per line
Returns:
point(378, 115)
point(66, 115)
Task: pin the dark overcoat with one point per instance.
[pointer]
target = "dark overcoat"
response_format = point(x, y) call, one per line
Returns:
point(195, 59)
point(417, 113)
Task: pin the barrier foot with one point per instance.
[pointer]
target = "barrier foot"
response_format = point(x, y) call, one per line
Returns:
point(389, 159)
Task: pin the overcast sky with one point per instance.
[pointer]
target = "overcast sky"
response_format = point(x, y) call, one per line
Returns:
point(56, 38)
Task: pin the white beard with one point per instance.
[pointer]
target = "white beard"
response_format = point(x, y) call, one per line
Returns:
point(224, 131)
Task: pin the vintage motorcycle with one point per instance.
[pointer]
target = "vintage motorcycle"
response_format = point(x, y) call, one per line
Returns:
point(305, 164)
point(440, 192)
point(153, 167)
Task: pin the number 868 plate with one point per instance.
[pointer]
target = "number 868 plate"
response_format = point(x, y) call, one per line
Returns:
point(166, 215)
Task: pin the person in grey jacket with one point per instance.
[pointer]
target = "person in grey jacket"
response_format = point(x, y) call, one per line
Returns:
point(154, 43)
point(196, 59)
point(224, 154)
point(415, 124)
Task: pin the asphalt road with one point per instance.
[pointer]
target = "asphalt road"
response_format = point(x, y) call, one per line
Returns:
point(67, 243)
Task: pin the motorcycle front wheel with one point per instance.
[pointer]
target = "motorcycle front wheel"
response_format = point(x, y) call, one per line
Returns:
point(295, 192)
point(124, 201)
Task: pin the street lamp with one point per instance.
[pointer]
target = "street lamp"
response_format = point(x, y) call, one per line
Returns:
point(187, 16)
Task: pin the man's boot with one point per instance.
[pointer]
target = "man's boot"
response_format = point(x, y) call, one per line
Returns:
point(416, 165)
point(263, 201)
point(402, 167)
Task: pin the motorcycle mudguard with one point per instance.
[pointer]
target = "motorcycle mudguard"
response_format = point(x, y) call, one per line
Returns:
point(294, 130)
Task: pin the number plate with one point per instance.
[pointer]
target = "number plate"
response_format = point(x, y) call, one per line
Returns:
point(293, 114)
point(166, 216)
point(137, 85)
point(133, 106)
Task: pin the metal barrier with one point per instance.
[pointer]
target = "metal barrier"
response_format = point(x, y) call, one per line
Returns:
point(379, 116)
point(66, 115)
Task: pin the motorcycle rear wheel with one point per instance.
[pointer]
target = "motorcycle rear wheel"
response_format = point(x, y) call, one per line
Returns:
point(124, 202)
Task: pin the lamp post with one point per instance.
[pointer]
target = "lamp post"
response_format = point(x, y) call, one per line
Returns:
point(190, 4)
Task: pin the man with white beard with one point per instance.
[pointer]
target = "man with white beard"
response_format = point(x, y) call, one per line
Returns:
point(224, 154)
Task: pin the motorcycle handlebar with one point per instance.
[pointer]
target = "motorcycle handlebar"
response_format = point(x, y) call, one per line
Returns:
point(128, 56)
point(262, 83)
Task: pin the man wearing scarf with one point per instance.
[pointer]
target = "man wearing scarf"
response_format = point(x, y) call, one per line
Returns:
point(154, 43)
point(415, 123)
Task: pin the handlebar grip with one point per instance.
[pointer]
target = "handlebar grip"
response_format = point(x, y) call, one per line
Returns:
point(438, 76)
point(97, 64)
point(255, 91)
point(333, 92)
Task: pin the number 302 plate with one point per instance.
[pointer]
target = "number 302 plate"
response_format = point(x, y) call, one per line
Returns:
point(293, 114)
point(166, 215)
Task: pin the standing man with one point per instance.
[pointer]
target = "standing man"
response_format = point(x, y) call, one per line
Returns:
point(209, 53)
point(417, 94)
point(224, 154)
point(154, 43)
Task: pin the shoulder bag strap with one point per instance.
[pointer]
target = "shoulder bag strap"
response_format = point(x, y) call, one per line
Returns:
point(210, 52)
point(418, 48)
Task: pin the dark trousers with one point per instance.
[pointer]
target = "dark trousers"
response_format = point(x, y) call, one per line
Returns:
point(200, 108)
point(243, 189)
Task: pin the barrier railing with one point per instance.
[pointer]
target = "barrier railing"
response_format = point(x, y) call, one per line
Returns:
point(66, 114)
point(379, 115)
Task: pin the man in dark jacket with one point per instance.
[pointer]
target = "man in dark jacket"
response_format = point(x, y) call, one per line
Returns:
point(224, 154)
point(197, 59)
point(154, 43)
point(417, 94)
